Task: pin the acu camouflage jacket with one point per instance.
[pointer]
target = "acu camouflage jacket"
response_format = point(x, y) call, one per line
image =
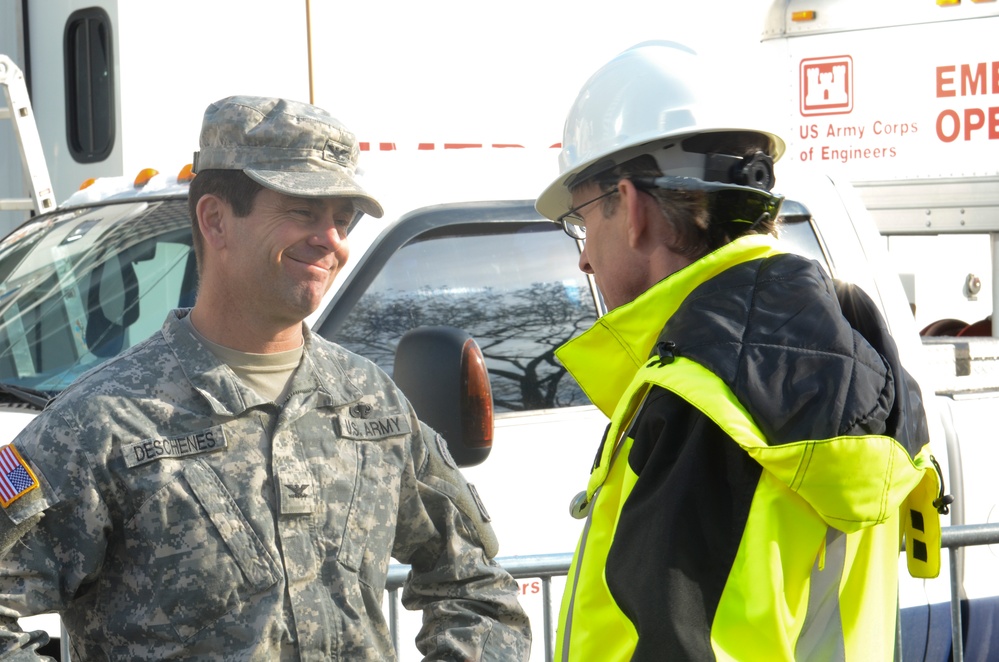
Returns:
point(179, 515)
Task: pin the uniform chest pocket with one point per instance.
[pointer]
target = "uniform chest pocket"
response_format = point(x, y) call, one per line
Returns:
point(193, 556)
point(361, 495)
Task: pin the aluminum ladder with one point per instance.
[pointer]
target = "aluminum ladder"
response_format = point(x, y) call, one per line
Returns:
point(18, 110)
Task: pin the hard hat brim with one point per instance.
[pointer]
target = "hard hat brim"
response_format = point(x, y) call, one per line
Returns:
point(556, 199)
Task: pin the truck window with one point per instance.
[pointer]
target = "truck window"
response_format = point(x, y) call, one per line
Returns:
point(514, 286)
point(797, 233)
point(89, 285)
point(89, 72)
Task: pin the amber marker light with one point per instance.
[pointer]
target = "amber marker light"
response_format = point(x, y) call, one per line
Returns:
point(477, 411)
point(186, 173)
point(144, 176)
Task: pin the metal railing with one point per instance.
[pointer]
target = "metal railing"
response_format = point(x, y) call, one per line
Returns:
point(541, 566)
point(546, 566)
point(953, 537)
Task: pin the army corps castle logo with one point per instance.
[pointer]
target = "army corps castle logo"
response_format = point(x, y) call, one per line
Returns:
point(826, 85)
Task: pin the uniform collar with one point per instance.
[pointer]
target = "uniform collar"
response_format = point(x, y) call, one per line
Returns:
point(604, 359)
point(320, 379)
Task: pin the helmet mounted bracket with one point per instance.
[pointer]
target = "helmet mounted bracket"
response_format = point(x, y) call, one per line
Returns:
point(754, 170)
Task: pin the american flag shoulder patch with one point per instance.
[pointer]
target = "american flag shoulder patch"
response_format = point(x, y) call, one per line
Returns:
point(16, 477)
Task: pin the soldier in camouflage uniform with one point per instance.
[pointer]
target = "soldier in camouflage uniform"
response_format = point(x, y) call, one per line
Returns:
point(234, 487)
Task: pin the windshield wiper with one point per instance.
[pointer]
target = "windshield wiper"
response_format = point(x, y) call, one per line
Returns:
point(31, 396)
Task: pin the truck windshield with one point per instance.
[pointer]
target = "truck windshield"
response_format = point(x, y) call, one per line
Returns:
point(513, 285)
point(77, 288)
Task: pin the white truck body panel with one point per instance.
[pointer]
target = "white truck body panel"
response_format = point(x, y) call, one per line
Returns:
point(902, 99)
point(158, 111)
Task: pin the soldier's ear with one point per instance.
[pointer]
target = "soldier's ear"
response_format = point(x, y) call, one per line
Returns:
point(212, 211)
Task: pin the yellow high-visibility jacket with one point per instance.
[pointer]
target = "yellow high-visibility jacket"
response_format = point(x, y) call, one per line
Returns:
point(765, 454)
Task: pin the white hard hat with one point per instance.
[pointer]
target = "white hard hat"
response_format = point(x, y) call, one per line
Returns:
point(646, 100)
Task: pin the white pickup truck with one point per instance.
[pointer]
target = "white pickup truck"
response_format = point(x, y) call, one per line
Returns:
point(461, 246)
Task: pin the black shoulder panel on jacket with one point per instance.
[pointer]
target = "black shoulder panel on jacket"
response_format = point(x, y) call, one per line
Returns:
point(906, 421)
point(773, 330)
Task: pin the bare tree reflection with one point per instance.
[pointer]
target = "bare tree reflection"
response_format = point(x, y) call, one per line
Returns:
point(517, 330)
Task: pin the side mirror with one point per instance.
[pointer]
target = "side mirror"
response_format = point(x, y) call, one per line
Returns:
point(442, 372)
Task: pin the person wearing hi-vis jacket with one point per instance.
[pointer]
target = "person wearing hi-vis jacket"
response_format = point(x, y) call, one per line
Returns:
point(766, 449)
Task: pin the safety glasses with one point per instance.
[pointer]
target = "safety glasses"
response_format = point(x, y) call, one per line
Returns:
point(572, 223)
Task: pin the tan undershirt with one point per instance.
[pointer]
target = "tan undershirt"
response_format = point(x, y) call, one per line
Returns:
point(267, 374)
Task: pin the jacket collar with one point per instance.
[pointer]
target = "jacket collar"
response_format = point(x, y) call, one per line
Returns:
point(604, 359)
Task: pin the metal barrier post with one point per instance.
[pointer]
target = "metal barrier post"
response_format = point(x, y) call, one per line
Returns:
point(546, 596)
point(956, 637)
point(394, 619)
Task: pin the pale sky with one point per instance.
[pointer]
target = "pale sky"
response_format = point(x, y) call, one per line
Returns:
point(459, 71)
point(391, 70)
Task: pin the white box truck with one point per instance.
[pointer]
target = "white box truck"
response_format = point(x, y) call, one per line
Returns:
point(901, 98)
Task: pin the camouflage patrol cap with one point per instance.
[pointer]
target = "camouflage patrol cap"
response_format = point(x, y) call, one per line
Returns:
point(287, 146)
